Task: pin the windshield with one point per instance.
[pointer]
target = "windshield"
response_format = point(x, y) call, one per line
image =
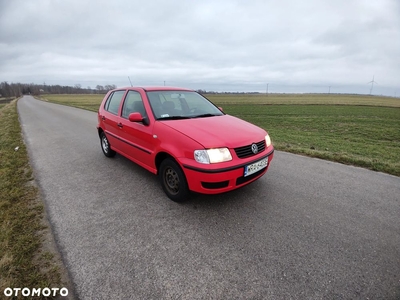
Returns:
point(173, 105)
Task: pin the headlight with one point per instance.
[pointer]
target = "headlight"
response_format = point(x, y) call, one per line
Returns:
point(268, 140)
point(211, 156)
point(219, 155)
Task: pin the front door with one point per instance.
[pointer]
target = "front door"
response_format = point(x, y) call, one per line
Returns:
point(138, 137)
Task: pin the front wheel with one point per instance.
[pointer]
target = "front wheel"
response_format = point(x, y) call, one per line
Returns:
point(173, 180)
point(105, 146)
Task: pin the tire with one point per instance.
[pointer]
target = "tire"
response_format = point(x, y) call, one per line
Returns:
point(105, 146)
point(173, 180)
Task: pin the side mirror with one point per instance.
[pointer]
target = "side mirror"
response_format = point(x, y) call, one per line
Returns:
point(137, 117)
point(220, 108)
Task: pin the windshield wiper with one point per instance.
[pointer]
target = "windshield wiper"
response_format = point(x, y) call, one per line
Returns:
point(206, 115)
point(174, 118)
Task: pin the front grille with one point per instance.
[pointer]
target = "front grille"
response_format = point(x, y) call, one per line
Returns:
point(245, 151)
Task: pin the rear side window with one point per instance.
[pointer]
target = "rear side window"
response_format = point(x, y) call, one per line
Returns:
point(113, 102)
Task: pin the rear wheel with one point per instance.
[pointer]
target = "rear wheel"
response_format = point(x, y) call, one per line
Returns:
point(173, 180)
point(105, 146)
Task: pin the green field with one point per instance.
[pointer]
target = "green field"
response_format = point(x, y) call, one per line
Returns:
point(351, 129)
point(90, 102)
point(304, 99)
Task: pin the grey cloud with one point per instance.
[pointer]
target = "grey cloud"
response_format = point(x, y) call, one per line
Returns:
point(218, 44)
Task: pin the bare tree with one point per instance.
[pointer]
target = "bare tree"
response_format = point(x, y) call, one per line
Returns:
point(110, 87)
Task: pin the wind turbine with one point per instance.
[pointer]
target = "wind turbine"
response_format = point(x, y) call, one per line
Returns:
point(372, 84)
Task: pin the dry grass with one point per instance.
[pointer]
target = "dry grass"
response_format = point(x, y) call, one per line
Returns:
point(23, 261)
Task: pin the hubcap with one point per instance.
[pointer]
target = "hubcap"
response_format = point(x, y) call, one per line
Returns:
point(171, 180)
point(105, 144)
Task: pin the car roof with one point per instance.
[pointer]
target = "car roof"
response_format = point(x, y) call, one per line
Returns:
point(157, 88)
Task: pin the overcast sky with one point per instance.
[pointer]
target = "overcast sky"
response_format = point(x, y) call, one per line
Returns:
point(220, 45)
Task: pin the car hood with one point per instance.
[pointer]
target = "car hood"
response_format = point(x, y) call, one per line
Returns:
point(218, 131)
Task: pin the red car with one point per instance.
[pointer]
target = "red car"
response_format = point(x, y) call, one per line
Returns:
point(184, 138)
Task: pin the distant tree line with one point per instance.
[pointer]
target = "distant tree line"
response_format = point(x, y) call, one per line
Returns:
point(9, 90)
point(203, 92)
point(18, 89)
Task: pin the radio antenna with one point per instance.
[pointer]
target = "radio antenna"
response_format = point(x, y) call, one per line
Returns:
point(130, 81)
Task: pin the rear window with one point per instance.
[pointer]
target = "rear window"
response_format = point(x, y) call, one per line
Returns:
point(113, 102)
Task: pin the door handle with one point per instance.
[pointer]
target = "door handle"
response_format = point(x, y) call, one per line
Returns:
point(120, 125)
point(103, 118)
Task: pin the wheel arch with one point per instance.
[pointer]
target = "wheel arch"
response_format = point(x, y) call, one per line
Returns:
point(99, 131)
point(160, 157)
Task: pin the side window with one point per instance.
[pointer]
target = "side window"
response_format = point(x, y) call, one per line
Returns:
point(107, 102)
point(113, 102)
point(133, 103)
point(155, 103)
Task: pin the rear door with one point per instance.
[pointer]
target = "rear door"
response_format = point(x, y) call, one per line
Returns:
point(111, 119)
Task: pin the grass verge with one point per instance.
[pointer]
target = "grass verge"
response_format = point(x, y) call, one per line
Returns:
point(360, 130)
point(23, 260)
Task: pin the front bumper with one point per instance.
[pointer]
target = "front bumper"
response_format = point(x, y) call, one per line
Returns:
point(220, 180)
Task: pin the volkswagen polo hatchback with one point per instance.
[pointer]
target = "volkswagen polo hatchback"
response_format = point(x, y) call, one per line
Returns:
point(186, 140)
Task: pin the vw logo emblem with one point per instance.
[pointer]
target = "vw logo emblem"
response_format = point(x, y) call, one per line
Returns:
point(254, 148)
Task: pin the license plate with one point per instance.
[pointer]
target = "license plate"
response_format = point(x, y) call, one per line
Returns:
point(255, 167)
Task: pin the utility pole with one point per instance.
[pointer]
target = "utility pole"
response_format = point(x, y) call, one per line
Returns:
point(164, 82)
point(267, 89)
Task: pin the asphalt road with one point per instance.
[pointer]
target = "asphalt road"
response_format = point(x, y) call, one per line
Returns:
point(309, 229)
